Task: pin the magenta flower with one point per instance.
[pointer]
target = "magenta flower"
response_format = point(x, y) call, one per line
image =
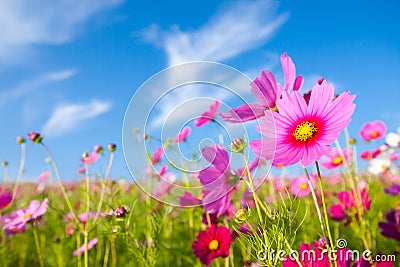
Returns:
point(82, 249)
point(183, 135)
point(16, 222)
point(188, 200)
point(391, 228)
point(5, 199)
point(334, 159)
point(315, 256)
point(304, 133)
point(299, 187)
point(215, 179)
point(373, 130)
point(347, 206)
point(207, 115)
point(157, 155)
point(212, 243)
point(394, 190)
point(90, 158)
point(44, 176)
point(35, 137)
point(267, 91)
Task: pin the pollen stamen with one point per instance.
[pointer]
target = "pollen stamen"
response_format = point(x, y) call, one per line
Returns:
point(305, 131)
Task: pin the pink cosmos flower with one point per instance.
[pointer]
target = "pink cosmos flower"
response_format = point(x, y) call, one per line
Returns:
point(82, 249)
point(5, 199)
point(44, 176)
point(157, 155)
point(207, 115)
point(90, 158)
point(334, 159)
point(299, 187)
point(17, 221)
point(212, 243)
point(215, 179)
point(304, 132)
point(183, 135)
point(347, 206)
point(267, 91)
point(373, 130)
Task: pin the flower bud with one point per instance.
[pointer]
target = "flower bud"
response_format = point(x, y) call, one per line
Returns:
point(35, 137)
point(120, 212)
point(241, 215)
point(146, 137)
point(111, 147)
point(238, 145)
point(352, 141)
point(20, 140)
point(98, 149)
point(136, 130)
point(85, 155)
point(4, 163)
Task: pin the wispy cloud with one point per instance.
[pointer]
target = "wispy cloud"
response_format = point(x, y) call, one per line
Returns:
point(234, 29)
point(239, 27)
point(25, 24)
point(29, 86)
point(69, 117)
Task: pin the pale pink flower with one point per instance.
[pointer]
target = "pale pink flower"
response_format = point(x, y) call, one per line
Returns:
point(82, 249)
point(207, 115)
point(183, 135)
point(44, 176)
point(373, 130)
point(334, 159)
point(299, 186)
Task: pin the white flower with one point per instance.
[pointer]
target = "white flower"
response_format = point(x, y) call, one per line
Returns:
point(378, 165)
point(393, 139)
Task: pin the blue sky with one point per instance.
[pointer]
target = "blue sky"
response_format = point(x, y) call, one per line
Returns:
point(69, 68)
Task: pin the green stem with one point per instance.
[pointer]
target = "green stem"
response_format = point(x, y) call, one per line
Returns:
point(324, 209)
point(37, 245)
point(20, 171)
point(256, 200)
point(86, 253)
point(60, 183)
point(78, 245)
point(315, 202)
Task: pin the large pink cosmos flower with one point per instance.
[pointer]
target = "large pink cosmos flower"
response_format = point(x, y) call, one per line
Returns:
point(373, 130)
point(156, 157)
point(334, 159)
point(267, 91)
point(347, 206)
point(212, 243)
point(183, 135)
point(207, 115)
point(304, 132)
point(216, 180)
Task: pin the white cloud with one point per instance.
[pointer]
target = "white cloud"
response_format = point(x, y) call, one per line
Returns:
point(235, 29)
point(239, 27)
point(24, 24)
point(29, 86)
point(68, 117)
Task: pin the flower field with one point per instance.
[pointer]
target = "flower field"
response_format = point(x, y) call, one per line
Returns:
point(251, 213)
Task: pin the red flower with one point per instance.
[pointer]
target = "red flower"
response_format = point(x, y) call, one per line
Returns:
point(212, 243)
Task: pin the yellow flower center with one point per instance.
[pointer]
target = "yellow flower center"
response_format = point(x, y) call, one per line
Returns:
point(374, 134)
point(305, 131)
point(337, 160)
point(26, 216)
point(213, 245)
point(304, 186)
